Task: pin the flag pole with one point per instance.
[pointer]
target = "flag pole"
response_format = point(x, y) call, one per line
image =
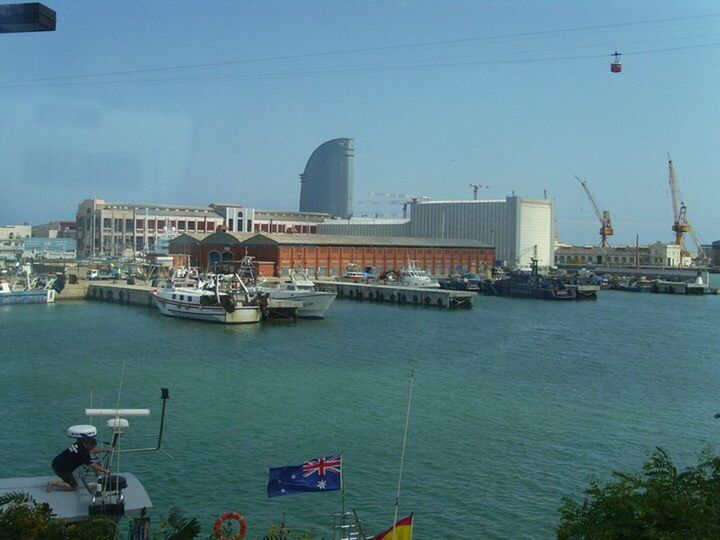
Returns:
point(402, 455)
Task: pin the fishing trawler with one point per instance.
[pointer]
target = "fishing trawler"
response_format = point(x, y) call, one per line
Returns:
point(27, 290)
point(530, 284)
point(206, 302)
point(117, 495)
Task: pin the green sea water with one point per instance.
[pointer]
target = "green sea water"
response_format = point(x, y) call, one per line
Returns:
point(516, 403)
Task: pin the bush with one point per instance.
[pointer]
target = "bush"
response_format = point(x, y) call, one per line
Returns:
point(656, 502)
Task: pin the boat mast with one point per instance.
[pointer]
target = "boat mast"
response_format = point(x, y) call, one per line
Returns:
point(402, 456)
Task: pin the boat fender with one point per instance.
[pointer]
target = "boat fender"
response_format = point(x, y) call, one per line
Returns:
point(415, 299)
point(217, 528)
point(403, 299)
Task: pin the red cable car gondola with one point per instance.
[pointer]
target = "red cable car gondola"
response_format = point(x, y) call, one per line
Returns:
point(616, 65)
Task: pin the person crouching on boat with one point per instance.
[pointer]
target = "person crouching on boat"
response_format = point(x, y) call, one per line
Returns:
point(74, 456)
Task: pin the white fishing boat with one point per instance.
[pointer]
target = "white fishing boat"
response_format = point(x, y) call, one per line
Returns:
point(118, 494)
point(413, 276)
point(27, 292)
point(298, 287)
point(206, 302)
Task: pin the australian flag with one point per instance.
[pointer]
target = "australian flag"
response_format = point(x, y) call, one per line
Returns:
point(321, 474)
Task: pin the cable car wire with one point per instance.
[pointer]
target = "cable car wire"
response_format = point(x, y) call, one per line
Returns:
point(497, 37)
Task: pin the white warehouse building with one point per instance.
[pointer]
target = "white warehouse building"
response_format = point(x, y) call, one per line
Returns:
point(518, 227)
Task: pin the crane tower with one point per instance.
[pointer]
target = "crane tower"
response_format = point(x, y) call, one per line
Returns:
point(604, 217)
point(681, 225)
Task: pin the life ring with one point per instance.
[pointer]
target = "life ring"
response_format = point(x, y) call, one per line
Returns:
point(217, 528)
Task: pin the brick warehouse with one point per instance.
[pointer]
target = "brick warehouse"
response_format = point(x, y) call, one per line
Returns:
point(329, 255)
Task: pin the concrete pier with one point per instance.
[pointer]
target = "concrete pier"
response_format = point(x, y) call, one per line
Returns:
point(395, 294)
point(118, 292)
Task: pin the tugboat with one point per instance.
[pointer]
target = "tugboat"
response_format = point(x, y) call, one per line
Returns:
point(530, 284)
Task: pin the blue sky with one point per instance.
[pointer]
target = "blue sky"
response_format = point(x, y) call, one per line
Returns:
point(437, 94)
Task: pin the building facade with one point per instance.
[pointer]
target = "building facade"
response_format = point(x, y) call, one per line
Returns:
point(122, 229)
point(49, 249)
point(329, 256)
point(327, 182)
point(12, 238)
point(55, 229)
point(241, 219)
point(657, 255)
point(518, 228)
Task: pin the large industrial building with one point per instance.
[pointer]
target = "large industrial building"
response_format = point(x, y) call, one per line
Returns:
point(327, 182)
point(122, 229)
point(330, 256)
point(519, 228)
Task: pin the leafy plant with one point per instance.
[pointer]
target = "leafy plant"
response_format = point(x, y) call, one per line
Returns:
point(657, 502)
point(178, 527)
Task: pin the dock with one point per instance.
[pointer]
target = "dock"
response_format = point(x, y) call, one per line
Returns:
point(118, 292)
point(395, 294)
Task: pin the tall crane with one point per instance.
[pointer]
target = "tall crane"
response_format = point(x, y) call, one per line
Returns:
point(604, 216)
point(681, 225)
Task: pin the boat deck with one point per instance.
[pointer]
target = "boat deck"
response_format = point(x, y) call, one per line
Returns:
point(73, 505)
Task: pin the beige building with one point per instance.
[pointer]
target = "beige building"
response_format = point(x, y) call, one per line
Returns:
point(115, 229)
point(656, 255)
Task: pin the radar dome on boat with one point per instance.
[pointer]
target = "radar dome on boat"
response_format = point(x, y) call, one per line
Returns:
point(81, 431)
point(118, 423)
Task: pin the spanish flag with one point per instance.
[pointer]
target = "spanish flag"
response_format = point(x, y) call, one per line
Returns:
point(402, 530)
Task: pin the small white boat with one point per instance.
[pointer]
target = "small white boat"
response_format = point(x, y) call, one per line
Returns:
point(413, 276)
point(299, 288)
point(206, 302)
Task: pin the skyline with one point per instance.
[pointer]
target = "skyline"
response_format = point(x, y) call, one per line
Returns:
point(228, 100)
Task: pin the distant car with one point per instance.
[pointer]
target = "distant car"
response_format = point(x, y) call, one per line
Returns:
point(92, 274)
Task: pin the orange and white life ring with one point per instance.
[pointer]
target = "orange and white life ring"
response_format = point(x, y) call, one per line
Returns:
point(217, 528)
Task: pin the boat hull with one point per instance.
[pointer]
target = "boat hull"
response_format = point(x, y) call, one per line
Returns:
point(216, 314)
point(40, 296)
point(314, 304)
point(500, 288)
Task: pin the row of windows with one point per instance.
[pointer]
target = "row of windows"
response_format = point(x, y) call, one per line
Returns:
point(182, 297)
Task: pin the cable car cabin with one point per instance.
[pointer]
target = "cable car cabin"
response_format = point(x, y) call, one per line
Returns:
point(616, 66)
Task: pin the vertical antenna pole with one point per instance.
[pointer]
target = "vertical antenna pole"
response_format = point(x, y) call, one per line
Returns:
point(402, 456)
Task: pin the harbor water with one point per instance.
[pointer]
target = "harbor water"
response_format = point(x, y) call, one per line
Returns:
point(516, 403)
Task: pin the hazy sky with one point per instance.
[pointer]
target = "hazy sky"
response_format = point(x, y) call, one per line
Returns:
point(196, 102)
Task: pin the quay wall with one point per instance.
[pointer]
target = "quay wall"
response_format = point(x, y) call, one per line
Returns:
point(395, 294)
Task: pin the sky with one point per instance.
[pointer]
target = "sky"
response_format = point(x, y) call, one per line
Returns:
point(194, 102)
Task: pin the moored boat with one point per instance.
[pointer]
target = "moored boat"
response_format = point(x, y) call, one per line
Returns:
point(206, 302)
point(299, 288)
point(530, 284)
point(413, 276)
point(10, 295)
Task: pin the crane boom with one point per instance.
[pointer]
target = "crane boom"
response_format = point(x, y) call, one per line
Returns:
point(680, 221)
point(603, 216)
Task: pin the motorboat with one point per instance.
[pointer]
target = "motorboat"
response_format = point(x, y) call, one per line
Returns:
point(206, 302)
point(298, 287)
point(414, 276)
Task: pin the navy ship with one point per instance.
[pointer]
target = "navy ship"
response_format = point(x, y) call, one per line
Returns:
point(532, 284)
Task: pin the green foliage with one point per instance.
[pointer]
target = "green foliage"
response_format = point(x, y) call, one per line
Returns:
point(656, 502)
point(281, 533)
point(23, 518)
point(177, 527)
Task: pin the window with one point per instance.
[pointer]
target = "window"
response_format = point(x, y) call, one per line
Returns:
point(174, 296)
point(181, 225)
point(191, 225)
point(182, 297)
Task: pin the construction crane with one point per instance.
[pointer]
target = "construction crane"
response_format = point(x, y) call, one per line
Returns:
point(475, 188)
point(396, 199)
point(681, 225)
point(604, 217)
